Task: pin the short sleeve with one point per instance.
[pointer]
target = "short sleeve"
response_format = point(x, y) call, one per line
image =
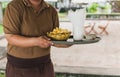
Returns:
point(12, 20)
point(55, 19)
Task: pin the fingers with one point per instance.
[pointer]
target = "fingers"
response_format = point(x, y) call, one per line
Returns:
point(44, 42)
point(45, 45)
point(48, 40)
point(45, 37)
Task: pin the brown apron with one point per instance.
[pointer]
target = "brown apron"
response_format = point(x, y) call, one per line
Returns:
point(38, 67)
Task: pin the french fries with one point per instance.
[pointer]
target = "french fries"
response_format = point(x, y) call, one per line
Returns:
point(59, 34)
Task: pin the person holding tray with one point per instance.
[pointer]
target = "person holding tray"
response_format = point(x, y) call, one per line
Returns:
point(26, 23)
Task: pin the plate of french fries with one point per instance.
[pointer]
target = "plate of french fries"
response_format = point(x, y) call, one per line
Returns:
point(59, 34)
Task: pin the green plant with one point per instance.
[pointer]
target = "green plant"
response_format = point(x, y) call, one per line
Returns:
point(1, 29)
point(2, 75)
point(93, 8)
point(4, 5)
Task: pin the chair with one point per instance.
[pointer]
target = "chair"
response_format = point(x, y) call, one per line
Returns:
point(103, 29)
point(92, 29)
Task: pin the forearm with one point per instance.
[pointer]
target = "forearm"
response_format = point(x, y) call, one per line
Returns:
point(21, 41)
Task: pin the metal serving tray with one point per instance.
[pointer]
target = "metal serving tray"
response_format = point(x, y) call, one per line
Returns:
point(83, 41)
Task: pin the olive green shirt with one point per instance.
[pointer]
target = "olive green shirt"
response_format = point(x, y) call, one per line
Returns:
point(21, 18)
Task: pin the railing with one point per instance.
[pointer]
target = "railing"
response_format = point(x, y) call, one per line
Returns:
point(103, 16)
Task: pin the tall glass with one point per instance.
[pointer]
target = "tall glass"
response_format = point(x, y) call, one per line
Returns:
point(77, 18)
